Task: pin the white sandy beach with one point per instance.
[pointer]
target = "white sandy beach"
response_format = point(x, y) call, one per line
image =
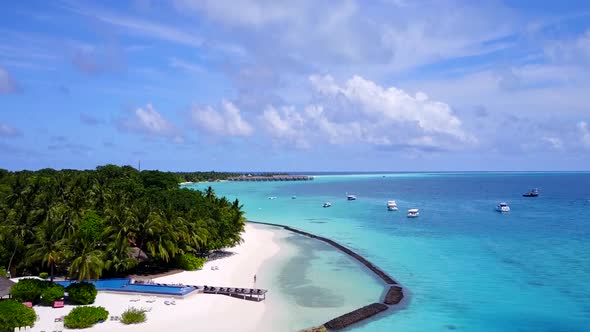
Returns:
point(195, 312)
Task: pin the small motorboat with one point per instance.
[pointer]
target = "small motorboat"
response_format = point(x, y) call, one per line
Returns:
point(272, 197)
point(351, 197)
point(392, 206)
point(327, 204)
point(533, 193)
point(413, 213)
point(293, 197)
point(503, 207)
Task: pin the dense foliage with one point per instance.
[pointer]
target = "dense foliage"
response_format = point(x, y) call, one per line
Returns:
point(51, 294)
point(133, 316)
point(14, 314)
point(204, 176)
point(190, 262)
point(29, 289)
point(86, 223)
point(82, 293)
point(83, 317)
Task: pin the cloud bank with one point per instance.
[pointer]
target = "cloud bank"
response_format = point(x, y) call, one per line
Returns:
point(361, 111)
point(226, 121)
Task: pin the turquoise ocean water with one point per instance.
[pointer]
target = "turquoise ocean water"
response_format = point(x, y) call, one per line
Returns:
point(466, 266)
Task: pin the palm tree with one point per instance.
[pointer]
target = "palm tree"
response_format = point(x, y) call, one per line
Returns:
point(47, 248)
point(17, 230)
point(159, 237)
point(88, 263)
point(118, 251)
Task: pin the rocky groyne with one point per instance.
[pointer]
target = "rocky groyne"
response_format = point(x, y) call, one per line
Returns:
point(355, 316)
point(393, 296)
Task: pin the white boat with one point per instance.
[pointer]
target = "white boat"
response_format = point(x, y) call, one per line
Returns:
point(503, 207)
point(351, 197)
point(392, 206)
point(327, 204)
point(272, 197)
point(413, 213)
point(293, 197)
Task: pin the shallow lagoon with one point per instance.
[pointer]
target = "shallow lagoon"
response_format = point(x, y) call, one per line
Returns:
point(466, 266)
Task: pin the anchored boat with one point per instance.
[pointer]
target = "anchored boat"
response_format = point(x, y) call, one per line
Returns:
point(392, 206)
point(503, 207)
point(413, 213)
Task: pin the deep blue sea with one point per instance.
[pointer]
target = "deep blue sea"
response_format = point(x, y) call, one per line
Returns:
point(464, 266)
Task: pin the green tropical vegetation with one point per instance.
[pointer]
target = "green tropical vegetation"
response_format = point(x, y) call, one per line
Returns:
point(190, 262)
point(133, 316)
point(107, 222)
point(14, 314)
point(214, 176)
point(204, 176)
point(84, 317)
point(29, 290)
point(52, 293)
point(82, 293)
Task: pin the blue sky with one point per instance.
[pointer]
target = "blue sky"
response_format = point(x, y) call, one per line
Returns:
point(301, 85)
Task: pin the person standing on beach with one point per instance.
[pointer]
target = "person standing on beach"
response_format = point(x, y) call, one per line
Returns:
point(254, 281)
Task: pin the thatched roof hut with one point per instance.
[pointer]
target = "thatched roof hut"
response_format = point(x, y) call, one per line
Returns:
point(138, 254)
point(5, 285)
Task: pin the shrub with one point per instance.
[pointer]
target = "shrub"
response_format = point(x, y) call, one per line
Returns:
point(29, 290)
point(52, 293)
point(43, 275)
point(14, 314)
point(82, 293)
point(189, 262)
point(133, 316)
point(83, 317)
point(3, 272)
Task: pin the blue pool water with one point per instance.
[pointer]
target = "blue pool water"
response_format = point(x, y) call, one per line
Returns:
point(123, 285)
point(466, 267)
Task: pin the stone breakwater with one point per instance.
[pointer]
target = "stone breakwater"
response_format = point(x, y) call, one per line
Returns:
point(355, 316)
point(393, 296)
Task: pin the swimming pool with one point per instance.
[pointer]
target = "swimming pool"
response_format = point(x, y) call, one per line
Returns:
point(125, 285)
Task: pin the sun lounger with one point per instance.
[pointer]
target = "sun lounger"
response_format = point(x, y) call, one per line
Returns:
point(28, 304)
point(58, 304)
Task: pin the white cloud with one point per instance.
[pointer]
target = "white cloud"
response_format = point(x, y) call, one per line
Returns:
point(554, 142)
point(227, 121)
point(152, 121)
point(239, 12)
point(286, 125)
point(149, 122)
point(393, 105)
point(143, 27)
point(584, 131)
point(8, 131)
point(7, 83)
point(574, 50)
point(186, 66)
point(360, 111)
